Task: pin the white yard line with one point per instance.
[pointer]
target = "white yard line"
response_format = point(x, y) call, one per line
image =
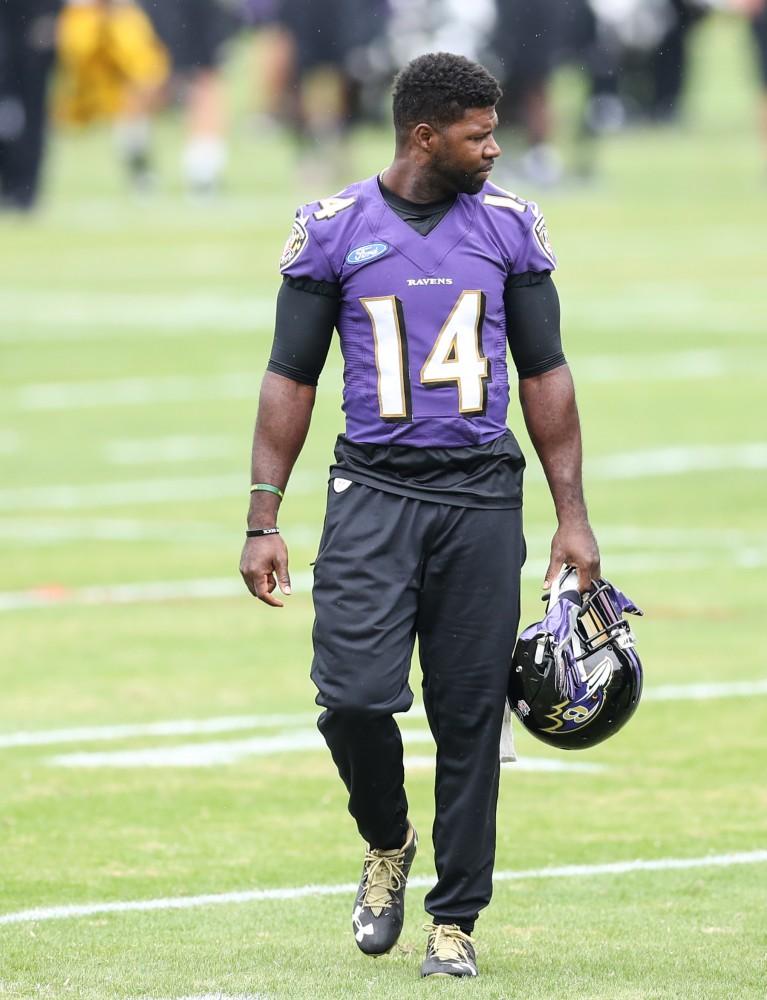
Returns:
point(168, 727)
point(63, 496)
point(175, 448)
point(672, 461)
point(66, 316)
point(138, 391)
point(142, 389)
point(678, 460)
point(537, 764)
point(207, 588)
point(298, 720)
point(218, 753)
point(705, 692)
point(132, 593)
point(41, 531)
point(214, 753)
point(669, 366)
point(52, 530)
point(417, 882)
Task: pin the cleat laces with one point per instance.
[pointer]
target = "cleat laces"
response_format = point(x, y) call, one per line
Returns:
point(447, 942)
point(383, 877)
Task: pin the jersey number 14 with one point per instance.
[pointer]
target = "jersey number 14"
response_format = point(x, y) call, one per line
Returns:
point(455, 359)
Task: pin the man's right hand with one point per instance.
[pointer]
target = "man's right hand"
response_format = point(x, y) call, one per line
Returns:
point(264, 565)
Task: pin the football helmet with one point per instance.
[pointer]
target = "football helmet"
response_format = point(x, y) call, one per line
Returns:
point(576, 678)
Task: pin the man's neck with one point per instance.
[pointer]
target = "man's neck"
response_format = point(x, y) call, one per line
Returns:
point(415, 184)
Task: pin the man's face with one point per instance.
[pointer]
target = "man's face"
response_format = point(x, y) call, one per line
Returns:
point(464, 152)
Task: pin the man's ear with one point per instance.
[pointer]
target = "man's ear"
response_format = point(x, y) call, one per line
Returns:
point(424, 136)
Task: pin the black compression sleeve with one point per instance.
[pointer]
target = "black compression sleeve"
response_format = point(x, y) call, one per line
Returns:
point(532, 323)
point(307, 312)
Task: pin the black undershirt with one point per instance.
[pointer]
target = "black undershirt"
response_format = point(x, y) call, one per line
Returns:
point(488, 475)
point(421, 217)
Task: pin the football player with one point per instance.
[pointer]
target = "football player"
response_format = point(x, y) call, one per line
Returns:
point(27, 37)
point(427, 271)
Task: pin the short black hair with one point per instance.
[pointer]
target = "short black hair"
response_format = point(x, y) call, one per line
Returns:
point(438, 88)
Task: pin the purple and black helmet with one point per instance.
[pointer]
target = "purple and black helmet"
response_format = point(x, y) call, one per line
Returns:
point(576, 678)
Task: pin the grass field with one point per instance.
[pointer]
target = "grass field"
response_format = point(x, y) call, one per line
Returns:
point(133, 335)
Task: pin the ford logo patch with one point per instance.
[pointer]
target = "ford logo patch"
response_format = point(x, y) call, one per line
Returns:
point(361, 255)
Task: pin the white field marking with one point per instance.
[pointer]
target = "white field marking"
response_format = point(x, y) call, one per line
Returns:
point(215, 753)
point(208, 588)
point(177, 448)
point(623, 465)
point(139, 390)
point(234, 723)
point(220, 753)
point(679, 366)
point(545, 764)
point(50, 531)
point(69, 316)
point(35, 531)
point(416, 881)
point(705, 691)
point(634, 535)
point(136, 491)
point(655, 308)
point(678, 460)
point(55, 531)
point(168, 727)
point(133, 593)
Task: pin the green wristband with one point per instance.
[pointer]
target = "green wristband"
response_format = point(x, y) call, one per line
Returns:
point(266, 488)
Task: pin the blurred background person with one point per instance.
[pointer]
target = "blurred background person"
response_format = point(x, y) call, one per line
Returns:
point(756, 12)
point(27, 45)
point(195, 33)
point(111, 66)
point(528, 43)
point(318, 70)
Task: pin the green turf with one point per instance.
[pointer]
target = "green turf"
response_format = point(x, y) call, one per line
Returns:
point(662, 255)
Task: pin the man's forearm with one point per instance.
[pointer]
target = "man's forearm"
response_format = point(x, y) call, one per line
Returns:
point(551, 416)
point(284, 414)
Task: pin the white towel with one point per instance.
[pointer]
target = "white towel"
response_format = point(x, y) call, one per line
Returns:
point(507, 752)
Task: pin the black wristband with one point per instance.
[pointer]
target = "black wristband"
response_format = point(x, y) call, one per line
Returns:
point(258, 532)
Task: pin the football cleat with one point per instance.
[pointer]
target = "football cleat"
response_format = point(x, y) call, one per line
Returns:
point(379, 908)
point(449, 952)
point(576, 678)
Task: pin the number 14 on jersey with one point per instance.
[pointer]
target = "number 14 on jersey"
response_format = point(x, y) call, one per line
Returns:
point(455, 358)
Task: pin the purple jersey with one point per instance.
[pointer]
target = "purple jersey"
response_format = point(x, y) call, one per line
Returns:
point(422, 320)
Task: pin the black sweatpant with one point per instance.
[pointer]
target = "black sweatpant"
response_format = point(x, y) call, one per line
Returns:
point(391, 568)
point(27, 34)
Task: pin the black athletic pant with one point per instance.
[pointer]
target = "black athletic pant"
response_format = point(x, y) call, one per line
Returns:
point(391, 568)
point(27, 33)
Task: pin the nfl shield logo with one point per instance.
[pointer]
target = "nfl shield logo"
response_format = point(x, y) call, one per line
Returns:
point(296, 241)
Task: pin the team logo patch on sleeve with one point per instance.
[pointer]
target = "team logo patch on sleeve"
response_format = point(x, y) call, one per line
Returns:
point(541, 234)
point(296, 241)
point(371, 251)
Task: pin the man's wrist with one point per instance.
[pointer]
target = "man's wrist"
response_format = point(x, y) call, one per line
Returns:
point(573, 518)
point(262, 512)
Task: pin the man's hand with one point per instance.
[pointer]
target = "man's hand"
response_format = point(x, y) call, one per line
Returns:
point(264, 564)
point(574, 544)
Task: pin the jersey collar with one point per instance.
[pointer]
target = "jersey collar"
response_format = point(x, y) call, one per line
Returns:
point(425, 252)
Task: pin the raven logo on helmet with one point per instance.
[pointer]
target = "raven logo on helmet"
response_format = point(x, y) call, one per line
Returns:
point(576, 678)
